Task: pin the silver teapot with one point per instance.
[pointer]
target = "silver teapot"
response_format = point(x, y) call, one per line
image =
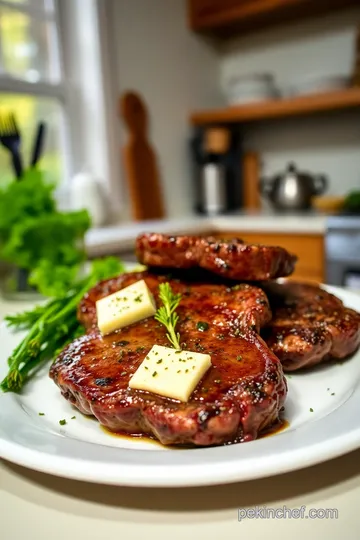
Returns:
point(293, 190)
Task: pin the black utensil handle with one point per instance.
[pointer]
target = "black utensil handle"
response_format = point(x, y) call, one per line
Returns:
point(39, 144)
point(17, 164)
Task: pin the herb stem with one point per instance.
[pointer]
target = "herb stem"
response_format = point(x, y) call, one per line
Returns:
point(51, 327)
point(166, 314)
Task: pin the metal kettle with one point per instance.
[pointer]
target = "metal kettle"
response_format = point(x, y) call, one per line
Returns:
point(293, 190)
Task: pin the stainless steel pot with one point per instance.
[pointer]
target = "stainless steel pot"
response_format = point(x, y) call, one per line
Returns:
point(293, 190)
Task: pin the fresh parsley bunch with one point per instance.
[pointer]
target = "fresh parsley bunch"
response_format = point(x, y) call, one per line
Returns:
point(36, 237)
point(31, 197)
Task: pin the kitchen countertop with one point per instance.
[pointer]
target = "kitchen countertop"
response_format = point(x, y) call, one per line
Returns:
point(121, 237)
point(39, 506)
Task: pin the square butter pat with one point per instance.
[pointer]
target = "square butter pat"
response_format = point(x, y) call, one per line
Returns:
point(170, 373)
point(125, 307)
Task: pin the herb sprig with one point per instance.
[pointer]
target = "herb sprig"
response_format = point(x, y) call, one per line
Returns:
point(166, 314)
point(52, 326)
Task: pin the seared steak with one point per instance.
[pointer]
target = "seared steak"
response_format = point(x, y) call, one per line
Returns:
point(239, 396)
point(231, 259)
point(309, 325)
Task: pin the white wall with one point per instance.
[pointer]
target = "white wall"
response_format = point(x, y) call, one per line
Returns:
point(324, 143)
point(175, 71)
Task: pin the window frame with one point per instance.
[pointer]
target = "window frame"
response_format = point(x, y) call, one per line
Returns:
point(32, 10)
point(56, 90)
point(44, 88)
point(74, 93)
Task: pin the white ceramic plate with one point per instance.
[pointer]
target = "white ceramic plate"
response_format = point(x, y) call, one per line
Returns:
point(82, 450)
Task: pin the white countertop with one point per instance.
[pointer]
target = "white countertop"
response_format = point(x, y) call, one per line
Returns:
point(121, 237)
point(39, 506)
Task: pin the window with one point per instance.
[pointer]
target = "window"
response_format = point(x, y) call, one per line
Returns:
point(56, 66)
point(31, 81)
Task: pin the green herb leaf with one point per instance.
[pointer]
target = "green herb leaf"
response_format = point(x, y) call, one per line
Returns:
point(26, 319)
point(166, 313)
point(19, 200)
point(52, 237)
point(52, 326)
point(202, 326)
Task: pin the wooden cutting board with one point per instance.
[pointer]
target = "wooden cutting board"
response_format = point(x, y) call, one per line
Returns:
point(139, 160)
point(250, 180)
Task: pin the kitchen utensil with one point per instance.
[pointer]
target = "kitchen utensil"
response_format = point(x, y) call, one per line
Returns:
point(140, 161)
point(10, 138)
point(250, 178)
point(38, 144)
point(328, 204)
point(293, 190)
point(242, 89)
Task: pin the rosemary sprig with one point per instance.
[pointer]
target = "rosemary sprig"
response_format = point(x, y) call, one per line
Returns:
point(166, 313)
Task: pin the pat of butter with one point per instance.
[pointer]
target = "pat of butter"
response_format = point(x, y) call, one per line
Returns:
point(170, 373)
point(125, 307)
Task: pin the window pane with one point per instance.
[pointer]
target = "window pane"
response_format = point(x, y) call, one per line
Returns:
point(45, 5)
point(27, 46)
point(29, 110)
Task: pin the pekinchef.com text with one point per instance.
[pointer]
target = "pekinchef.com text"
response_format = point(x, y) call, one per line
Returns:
point(284, 512)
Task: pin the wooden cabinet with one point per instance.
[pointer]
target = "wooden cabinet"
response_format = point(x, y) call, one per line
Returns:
point(224, 17)
point(205, 11)
point(308, 247)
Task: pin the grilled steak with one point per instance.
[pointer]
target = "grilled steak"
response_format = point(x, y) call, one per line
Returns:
point(309, 325)
point(231, 259)
point(240, 395)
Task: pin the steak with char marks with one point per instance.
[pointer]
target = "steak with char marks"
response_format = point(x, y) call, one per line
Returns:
point(232, 259)
point(309, 325)
point(240, 395)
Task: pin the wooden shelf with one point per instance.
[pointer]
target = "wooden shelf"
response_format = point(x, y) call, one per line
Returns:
point(282, 108)
point(226, 18)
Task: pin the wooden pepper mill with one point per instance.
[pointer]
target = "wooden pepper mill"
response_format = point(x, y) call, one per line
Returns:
point(140, 161)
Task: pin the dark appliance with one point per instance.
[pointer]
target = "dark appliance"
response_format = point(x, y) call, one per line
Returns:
point(216, 170)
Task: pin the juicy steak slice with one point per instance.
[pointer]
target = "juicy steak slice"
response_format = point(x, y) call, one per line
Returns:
point(231, 259)
point(240, 395)
point(309, 325)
